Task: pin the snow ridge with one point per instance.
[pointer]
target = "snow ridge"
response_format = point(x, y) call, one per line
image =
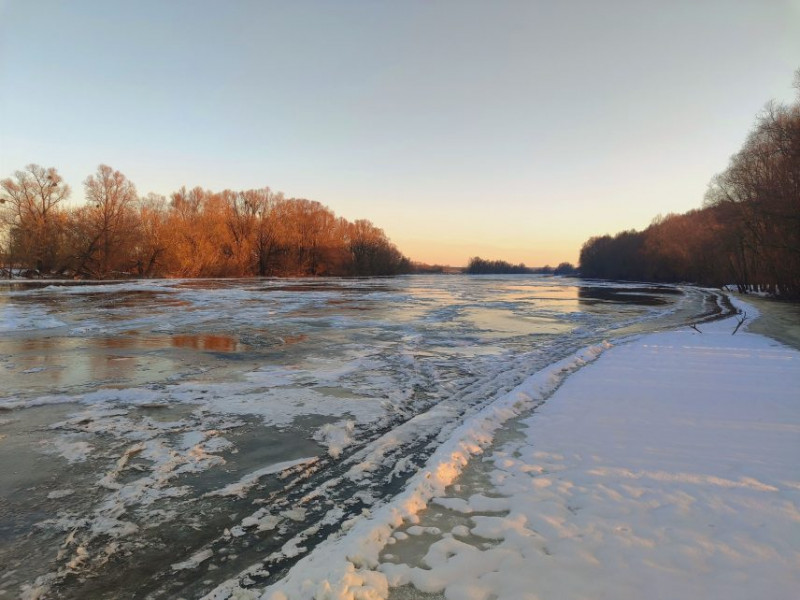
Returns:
point(350, 576)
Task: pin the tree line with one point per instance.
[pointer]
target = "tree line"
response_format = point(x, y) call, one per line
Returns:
point(193, 233)
point(480, 266)
point(747, 233)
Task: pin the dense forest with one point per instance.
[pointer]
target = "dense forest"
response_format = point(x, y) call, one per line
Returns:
point(747, 233)
point(194, 233)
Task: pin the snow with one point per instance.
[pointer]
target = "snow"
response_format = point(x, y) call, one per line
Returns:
point(56, 494)
point(69, 448)
point(240, 487)
point(193, 560)
point(665, 469)
point(336, 436)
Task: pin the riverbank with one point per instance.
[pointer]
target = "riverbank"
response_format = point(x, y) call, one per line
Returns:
point(777, 320)
point(665, 469)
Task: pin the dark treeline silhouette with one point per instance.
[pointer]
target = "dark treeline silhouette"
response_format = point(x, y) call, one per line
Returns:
point(194, 233)
point(747, 233)
point(479, 266)
point(565, 268)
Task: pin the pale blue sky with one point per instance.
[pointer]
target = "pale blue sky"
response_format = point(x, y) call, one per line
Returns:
point(510, 130)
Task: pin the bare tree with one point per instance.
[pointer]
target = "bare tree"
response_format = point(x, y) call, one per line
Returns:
point(196, 233)
point(110, 198)
point(152, 243)
point(30, 202)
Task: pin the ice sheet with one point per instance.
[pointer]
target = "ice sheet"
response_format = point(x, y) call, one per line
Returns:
point(152, 396)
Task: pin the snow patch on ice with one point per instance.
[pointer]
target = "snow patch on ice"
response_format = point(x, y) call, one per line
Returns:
point(18, 318)
point(69, 448)
point(336, 436)
point(56, 494)
point(241, 487)
point(193, 561)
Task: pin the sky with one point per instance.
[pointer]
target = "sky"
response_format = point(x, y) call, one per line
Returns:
point(510, 130)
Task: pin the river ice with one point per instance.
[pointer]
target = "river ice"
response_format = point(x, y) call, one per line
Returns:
point(667, 469)
point(170, 438)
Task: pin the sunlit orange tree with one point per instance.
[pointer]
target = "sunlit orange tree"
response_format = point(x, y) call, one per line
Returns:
point(194, 233)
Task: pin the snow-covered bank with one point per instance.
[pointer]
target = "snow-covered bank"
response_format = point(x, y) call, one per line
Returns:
point(666, 469)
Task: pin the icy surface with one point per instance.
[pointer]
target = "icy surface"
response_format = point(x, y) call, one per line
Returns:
point(667, 469)
point(245, 483)
point(15, 318)
point(210, 434)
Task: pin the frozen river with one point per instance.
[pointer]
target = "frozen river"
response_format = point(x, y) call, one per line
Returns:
point(160, 437)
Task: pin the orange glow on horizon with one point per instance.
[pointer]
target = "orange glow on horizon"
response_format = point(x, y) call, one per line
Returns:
point(457, 254)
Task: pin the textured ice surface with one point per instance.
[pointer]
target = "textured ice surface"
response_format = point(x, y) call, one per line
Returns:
point(665, 470)
point(228, 427)
point(15, 318)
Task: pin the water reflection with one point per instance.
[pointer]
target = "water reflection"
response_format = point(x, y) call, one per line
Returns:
point(499, 322)
point(129, 340)
point(590, 295)
point(145, 332)
point(215, 343)
point(37, 363)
